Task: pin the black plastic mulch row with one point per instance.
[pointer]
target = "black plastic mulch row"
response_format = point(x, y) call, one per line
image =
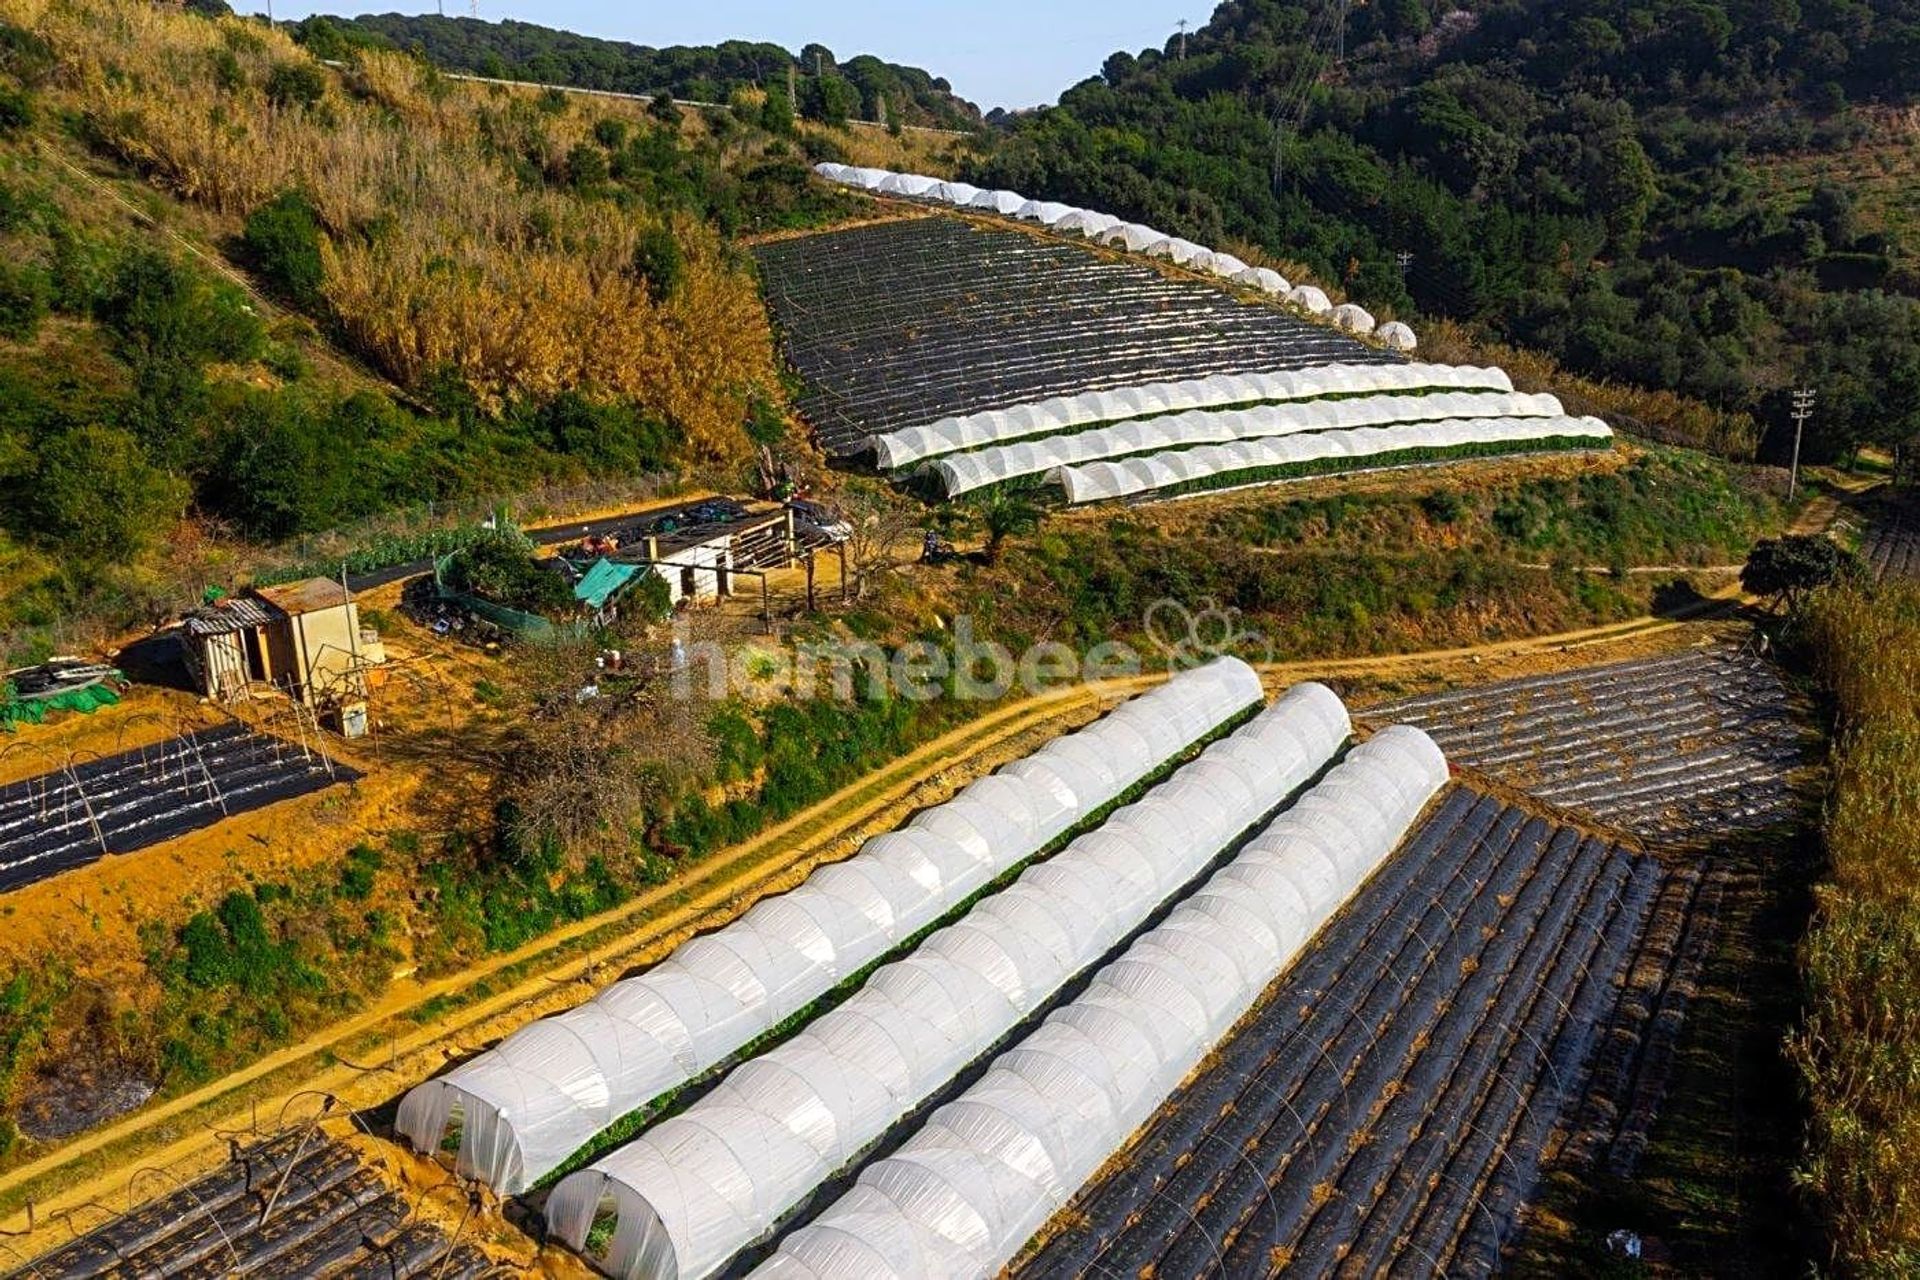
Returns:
point(139, 798)
point(1412, 1016)
point(900, 324)
point(294, 1205)
point(1679, 747)
point(1892, 542)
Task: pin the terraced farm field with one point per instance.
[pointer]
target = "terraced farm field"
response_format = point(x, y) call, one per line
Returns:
point(901, 323)
point(294, 1205)
point(1891, 546)
point(1384, 1109)
point(119, 804)
point(1680, 748)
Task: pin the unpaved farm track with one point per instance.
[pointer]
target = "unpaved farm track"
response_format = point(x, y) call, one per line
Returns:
point(410, 1033)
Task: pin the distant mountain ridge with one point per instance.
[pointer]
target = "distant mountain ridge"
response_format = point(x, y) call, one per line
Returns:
point(512, 50)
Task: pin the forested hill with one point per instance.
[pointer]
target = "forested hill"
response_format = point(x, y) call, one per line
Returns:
point(863, 87)
point(1636, 188)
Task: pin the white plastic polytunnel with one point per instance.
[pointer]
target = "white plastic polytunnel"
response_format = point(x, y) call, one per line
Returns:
point(528, 1103)
point(1044, 212)
point(896, 449)
point(700, 1186)
point(1131, 236)
point(1086, 222)
point(1226, 266)
point(1353, 318)
point(957, 193)
point(831, 172)
point(907, 184)
point(987, 1170)
point(1310, 298)
point(1098, 481)
point(867, 179)
point(1397, 336)
point(998, 201)
point(1265, 279)
point(995, 464)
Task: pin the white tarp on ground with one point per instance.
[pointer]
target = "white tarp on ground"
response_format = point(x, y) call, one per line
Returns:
point(896, 449)
point(702, 1185)
point(964, 472)
point(832, 172)
point(538, 1096)
point(988, 1169)
point(1098, 481)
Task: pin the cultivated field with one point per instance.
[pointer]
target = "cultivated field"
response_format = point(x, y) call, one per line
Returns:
point(298, 1204)
point(1681, 748)
point(1891, 544)
point(1385, 1105)
point(901, 323)
point(119, 804)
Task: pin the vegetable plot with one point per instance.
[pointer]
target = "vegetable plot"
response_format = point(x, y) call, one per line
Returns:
point(1680, 748)
point(902, 323)
point(1398, 1083)
point(1892, 542)
point(297, 1204)
point(81, 813)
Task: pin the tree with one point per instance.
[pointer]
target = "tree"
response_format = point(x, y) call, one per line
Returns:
point(1008, 513)
point(660, 262)
point(296, 85)
point(1785, 570)
point(776, 113)
point(282, 242)
point(95, 495)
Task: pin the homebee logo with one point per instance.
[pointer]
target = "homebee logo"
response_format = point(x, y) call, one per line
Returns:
point(1192, 637)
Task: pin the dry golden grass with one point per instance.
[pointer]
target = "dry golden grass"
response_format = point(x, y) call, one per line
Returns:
point(437, 256)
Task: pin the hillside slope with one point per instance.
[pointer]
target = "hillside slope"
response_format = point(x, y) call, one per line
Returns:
point(263, 296)
point(863, 87)
point(1579, 178)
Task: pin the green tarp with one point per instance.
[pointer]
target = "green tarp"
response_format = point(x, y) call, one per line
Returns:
point(33, 711)
point(603, 582)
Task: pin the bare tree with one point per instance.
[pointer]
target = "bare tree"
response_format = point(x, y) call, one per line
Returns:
point(884, 528)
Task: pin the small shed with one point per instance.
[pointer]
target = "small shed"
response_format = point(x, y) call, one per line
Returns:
point(303, 638)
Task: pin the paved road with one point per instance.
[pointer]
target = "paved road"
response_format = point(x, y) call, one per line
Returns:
point(550, 536)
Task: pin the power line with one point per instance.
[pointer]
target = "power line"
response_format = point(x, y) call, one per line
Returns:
point(1803, 399)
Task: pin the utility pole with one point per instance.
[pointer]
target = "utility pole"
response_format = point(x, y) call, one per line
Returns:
point(1183, 39)
point(1405, 261)
point(1802, 410)
point(1340, 37)
point(1279, 154)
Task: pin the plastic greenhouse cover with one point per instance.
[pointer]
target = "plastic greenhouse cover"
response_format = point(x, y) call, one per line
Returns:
point(534, 1099)
point(955, 193)
point(964, 472)
point(901, 448)
point(988, 1169)
point(907, 184)
point(1101, 480)
point(1353, 318)
point(688, 1195)
point(1265, 279)
point(1132, 236)
point(1087, 222)
point(1310, 298)
point(999, 201)
point(1044, 212)
point(1398, 336)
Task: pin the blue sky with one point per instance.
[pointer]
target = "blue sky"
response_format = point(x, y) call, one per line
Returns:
point(999, 53)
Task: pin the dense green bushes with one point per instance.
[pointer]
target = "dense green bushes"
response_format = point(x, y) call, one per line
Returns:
point(282, 243)
point(1859, 1050)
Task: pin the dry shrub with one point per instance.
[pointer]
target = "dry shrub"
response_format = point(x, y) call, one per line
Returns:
point(437, 256)
point(1859, 1050)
